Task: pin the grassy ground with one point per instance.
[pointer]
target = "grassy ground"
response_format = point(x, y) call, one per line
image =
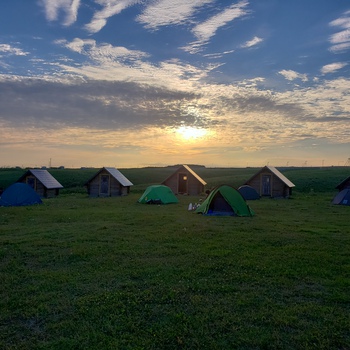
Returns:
point(81, 273)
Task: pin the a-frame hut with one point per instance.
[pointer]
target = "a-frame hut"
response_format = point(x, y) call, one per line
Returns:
point(270, 182)
point(345, 184)
point(43, 183)
point(185, 181)
point(108, 182)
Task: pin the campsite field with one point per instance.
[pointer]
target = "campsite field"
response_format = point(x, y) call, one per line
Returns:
point(109, 273)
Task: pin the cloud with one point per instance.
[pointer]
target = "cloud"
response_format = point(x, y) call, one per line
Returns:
point(292, 75)
point(343, 21)
point(170, 12)
point(341, 40)
point(327, 101)
point(217, 55)
point(170, 74)
point(207, 29)
point(54, 7)
point(110, 63)
point(332, 67)
point(101, 53)
point(89, 113)
point(256, 40)
point(109, 8)
point(10, 50)
point(92, 104)
point(340, 47)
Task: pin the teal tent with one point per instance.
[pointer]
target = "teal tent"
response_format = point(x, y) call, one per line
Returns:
point(158, 194)
point(225, 200)
point(19, 194)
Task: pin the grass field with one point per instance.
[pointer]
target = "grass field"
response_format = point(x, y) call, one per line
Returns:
point(109, 273)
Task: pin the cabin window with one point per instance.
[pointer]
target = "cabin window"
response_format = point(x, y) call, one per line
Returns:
point(104, 184)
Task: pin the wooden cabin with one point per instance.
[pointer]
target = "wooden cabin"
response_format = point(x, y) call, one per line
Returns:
point(269, 182)
point(43, 183)
point(185, 181)
point(108, 182)
point(345, 184)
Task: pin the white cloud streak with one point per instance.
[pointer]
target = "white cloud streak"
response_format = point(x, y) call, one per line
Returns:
point(217, 55)
point(332, 67)
point(10, 50)
point(206, 30)
point(341, 41)
point(292, 75)
point(170, 12)
point(255, 41)
point(109, 8)
point(54, 7)
point(102, 53)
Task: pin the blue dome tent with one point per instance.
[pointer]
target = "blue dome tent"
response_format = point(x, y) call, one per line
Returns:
point(248, 192)
point(342, 198)
point(19, 194)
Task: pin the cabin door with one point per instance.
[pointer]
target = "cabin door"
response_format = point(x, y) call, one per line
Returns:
point(104, 185)
point(182, 188)
point(31, 181)
point(266, 185)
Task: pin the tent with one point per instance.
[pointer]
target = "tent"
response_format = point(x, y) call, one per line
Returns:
point(19, 194)
point(248, 192)
point(224, 200)
point(158, 194)
point(343, 197)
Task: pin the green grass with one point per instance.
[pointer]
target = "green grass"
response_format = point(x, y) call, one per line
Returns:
point(81, 273)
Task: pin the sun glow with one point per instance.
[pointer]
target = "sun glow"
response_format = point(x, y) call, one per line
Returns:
point(188, 133)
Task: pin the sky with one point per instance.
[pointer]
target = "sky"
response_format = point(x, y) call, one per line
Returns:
point(135, 83)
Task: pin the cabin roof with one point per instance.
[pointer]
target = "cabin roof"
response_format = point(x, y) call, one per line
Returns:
point(194, 174)
point(44, 177)
point(340, 185)
point(276, 173)
point(116, 174)
point(190, 171)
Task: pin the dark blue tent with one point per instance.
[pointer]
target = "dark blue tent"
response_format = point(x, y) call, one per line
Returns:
point(343, 197)
point(248, 192)
point(19, 194)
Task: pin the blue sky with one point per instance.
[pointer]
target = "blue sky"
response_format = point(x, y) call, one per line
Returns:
point(132, 83)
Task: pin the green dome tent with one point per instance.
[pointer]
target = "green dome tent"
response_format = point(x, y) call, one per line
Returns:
point(19, 194)
point(158, 194)
point(224, 200)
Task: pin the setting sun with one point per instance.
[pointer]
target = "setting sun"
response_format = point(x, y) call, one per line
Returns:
point(190, 133)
